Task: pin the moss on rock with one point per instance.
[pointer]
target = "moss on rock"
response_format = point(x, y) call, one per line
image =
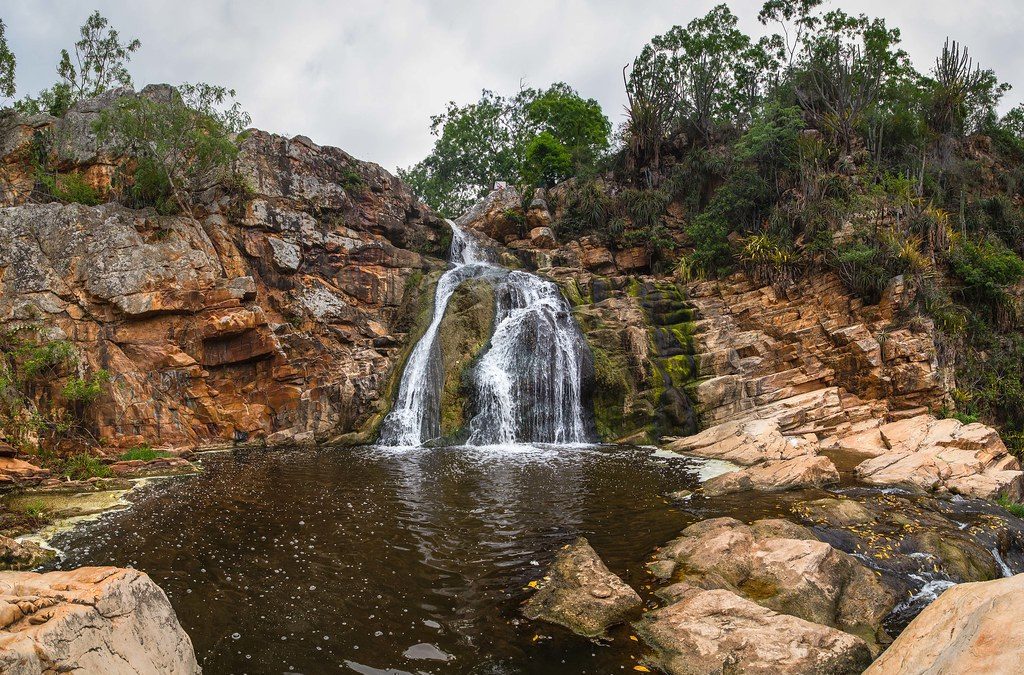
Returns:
point(464, 332)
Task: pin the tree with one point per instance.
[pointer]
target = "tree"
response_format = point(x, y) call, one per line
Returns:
point(7, 63)
point(963, 96)
point(797, 20)
point(182, 140)
point(651, 93)
point(102, 64)
point(485, 142)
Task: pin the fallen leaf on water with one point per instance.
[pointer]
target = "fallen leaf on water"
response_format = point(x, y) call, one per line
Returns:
point(533, 584)
point(642, 669)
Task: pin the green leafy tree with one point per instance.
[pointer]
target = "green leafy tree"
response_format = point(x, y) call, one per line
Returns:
point(7, 63)
point(183, 141)
point(487, 141)
point(797, 19)
point(100, 63)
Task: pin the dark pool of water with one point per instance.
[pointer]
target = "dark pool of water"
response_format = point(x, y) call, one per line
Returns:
point(380, 561)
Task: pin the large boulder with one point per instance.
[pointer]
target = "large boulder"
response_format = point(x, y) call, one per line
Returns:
point(970, 628)
point(784, 567)
point(933, 455)
point(717, 631)
point(581, 594)
point(90, 620)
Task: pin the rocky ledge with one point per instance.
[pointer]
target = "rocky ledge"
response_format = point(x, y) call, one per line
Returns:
point(91, 620)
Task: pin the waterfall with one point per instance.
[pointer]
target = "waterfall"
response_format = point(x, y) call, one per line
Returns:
point(528, 383)
point(415, 417)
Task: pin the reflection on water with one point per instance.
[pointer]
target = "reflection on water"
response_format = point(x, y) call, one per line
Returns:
point(382, 561)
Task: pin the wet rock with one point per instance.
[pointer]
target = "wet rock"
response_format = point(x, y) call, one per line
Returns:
point(915, 539)
point(582, 594)
point(925, 453)
point(717, 631)
point(790, 474)
point(16, 555)
point(782, 566)
point(464, 332)
point(93, 619)
point(970, 628)
point(745, 443)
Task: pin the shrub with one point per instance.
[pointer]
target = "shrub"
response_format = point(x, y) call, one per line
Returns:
point(184, 140)
point(85, 390)
point(68, 187)
point(546, 160)
point(987, 268)
point(866, 267)
point(81, 466)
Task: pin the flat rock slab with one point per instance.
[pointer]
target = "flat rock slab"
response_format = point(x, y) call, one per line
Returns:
point(932, 455)
point(90, 620)
point(970, 628)
point(717, 631)
point(789, 474)
point(581, 594)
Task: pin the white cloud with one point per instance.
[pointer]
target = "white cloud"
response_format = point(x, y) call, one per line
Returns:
point(367, 76)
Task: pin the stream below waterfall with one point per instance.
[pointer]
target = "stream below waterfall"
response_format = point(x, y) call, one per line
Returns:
point(372, 560)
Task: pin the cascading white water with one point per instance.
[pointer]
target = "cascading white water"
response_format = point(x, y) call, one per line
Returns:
point(415, 417)
point(529, 382)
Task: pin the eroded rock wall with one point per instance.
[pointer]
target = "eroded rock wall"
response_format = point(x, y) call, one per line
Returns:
point(280, 311)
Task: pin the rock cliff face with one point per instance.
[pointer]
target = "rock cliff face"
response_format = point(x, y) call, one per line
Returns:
point(91, 620)
point(279, 312)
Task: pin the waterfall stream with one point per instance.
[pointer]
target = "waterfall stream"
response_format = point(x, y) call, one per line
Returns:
point(529, 381)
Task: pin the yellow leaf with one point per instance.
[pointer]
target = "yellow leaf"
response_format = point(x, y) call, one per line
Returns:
point(642, 669)
point(533, 584)
point(633, 638)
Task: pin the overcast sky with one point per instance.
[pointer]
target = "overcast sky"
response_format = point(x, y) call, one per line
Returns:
point(366, 76)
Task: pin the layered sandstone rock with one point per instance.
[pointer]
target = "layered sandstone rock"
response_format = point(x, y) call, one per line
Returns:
point(933, 455)
point(790, 474)
point(782, 566)
point(970, 628)
point(93, 619)
point(281, 310)
point(717, 631)
point(581, 594)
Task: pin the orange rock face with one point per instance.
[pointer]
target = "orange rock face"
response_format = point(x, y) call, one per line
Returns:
point(281, 311)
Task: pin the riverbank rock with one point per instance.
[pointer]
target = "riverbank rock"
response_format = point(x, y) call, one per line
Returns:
point(970, 628)
point(782, 566)
point(15, 555)
point(90, 620)
point(717, 631)
point(790, 474)
point(581, 594)
point(933, 455)
point(917, 537)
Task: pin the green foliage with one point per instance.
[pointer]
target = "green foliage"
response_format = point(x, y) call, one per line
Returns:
point(1013, 507)
point(7, 65)
point(85, 390)
point(33, 405)
point(80, 466)
point(488, 141)
point(184, 141)
point(869, 262)
point(68, 187)
point(35, 509)
point(100, 63)
point(144, 453)
point(546, 160)
point(353, 181)
point(987, 268)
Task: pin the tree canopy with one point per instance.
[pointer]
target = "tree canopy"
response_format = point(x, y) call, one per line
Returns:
point(535, 136)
